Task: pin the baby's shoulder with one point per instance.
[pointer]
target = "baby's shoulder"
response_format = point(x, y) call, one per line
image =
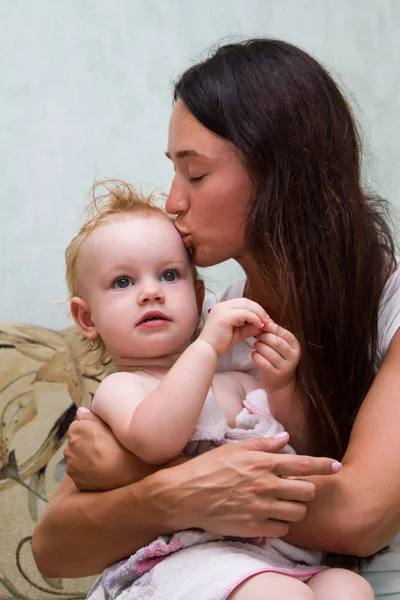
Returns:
point(121, 381)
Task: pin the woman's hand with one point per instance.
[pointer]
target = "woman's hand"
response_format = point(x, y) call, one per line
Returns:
point(235, 490)
point(96, 461)
point(244, 490)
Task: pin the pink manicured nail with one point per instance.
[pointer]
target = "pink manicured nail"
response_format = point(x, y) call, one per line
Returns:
point(280, 435)
point(82, 409)
point(336, 466)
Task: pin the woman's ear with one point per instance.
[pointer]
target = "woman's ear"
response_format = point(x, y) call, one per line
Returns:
point(200, 292)
point(82, 317)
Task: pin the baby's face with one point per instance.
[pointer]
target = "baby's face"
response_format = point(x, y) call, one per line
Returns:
point(134, 273)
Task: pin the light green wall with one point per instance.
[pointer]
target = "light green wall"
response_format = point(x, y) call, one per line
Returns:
point(85, 94)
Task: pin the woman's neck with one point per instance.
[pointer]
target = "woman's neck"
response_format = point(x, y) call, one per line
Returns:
point(255, 288)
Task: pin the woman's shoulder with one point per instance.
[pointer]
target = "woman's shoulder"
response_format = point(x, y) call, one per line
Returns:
point(389, 314)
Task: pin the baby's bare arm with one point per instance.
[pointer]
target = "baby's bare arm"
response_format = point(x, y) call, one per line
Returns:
point(156, 425)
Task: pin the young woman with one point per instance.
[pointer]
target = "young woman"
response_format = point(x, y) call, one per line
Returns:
point(140, 302)
point(267, 161)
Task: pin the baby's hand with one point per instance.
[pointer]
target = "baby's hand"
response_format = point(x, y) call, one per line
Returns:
point(232, 321)
point(276, 354)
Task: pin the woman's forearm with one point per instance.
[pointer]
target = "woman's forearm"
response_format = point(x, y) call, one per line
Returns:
point(357, 511)
point(339, 521)
point(332, 523)
point(81, 533)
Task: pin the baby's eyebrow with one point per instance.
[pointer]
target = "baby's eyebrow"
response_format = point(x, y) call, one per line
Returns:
point(175, 263)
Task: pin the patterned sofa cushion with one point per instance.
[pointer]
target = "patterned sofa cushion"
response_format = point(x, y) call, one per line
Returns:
point(43, 378)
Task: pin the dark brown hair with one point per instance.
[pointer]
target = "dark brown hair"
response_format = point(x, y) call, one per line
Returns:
point(321, 242)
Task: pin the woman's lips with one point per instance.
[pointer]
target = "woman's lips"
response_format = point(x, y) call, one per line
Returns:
point(186, 239)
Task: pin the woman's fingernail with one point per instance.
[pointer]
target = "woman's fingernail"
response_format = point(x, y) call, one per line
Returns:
point(281, 434)
point(82, 409)
point(336, 466)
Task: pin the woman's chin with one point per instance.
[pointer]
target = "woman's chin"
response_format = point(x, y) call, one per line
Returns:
point(205, 259)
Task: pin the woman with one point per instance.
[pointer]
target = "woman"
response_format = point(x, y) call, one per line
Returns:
point(267, 161)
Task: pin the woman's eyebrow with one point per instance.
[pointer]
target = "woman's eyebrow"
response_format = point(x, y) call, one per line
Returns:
point(182, 154)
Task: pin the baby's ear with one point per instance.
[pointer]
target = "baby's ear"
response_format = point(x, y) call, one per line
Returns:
point(200, 293)
point(82, 316)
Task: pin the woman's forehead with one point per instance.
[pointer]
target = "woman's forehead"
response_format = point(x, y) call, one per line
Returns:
point(189, 138)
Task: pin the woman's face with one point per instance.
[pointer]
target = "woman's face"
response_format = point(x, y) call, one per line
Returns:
point(210, 192)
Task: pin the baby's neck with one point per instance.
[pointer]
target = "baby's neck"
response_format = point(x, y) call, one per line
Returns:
point(157, 365)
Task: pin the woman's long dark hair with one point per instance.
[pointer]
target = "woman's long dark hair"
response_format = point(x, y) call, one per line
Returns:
point(322, 244)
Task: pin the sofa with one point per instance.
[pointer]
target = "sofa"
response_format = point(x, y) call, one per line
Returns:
point(43, 379)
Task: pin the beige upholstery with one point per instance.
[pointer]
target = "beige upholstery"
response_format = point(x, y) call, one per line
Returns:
point(43, 379)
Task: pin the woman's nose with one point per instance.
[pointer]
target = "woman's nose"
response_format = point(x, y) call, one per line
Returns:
point(177, 201)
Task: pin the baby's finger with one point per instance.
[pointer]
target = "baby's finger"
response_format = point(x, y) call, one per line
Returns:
point(256, 308)
point(278, 344)
point(246, 304)
point(263, 364)
point(269, 355)
point(247, 330)
point(282, 333)
point(240, 316)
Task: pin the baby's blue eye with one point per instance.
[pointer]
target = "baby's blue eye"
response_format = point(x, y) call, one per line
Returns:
point(122, 282)
point(169, 276)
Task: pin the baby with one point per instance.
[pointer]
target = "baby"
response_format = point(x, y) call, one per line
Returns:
point(135, 292)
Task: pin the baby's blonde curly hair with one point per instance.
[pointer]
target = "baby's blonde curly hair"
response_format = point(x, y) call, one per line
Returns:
point(119, 198)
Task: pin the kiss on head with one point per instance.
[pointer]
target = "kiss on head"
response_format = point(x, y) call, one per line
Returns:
point(267, 160)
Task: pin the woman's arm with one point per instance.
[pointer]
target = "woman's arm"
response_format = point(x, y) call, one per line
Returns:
point(358, 511)
point(238, 489)
point(96, 461)
point(82, 533)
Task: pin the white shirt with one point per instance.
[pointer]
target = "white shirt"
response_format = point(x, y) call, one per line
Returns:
point(384, 571)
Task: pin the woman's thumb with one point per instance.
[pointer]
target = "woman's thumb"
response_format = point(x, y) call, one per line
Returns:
point(272, 444)
point(84, 414)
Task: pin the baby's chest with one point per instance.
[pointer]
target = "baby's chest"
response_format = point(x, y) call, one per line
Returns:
point(229, 396)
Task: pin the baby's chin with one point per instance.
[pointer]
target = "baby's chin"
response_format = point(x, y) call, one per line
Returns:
point(155, 357)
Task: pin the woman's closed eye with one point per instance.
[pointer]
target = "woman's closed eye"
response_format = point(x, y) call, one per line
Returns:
point(198, 178)
point(122, 282)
